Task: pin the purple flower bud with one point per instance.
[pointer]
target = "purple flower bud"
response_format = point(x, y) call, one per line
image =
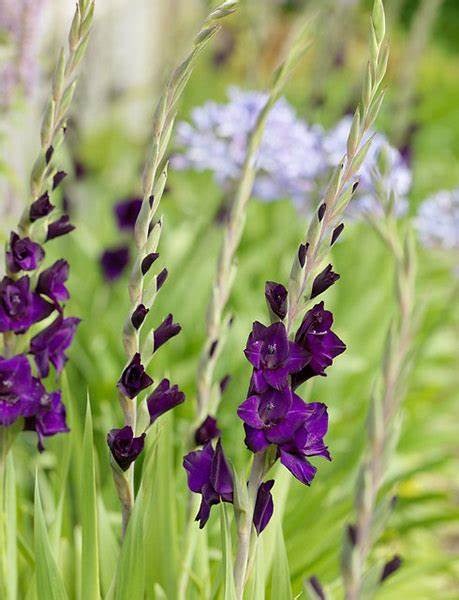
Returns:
point(134, 379)
point(163, 399)
point(24, 255)
point(40, 208)
point(49, 345)
point(17, 390)
point(126, 213)
point(210, 476)
point(391, 567)
point(323, 281)
point(317, 587)
point(321, 211)
point(125, 448)
point(49, 154)
point(302, 251)
point(224, 382)
point(58, 177)
point(148, 261)
point(264, 506)
point(161, 278)
point(50, 418)
point(164, 332)
point(352, 534)
point(19, 307)
point(276, 297)
point(336, 233)
point(114, 261)
point(51, 281)
point(138, 316)
point(207, 431)
point(60, 227)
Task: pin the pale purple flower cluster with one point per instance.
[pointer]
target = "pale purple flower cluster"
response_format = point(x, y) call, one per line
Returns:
point(289, 159)
point(28, 297)
point(437, 221)
point(295, 159)
point(20, 22)
point(398, 176)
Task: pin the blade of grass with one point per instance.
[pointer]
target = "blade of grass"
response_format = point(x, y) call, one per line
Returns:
point(49, 583)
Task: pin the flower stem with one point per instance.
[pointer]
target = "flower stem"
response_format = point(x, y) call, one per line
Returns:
point(245, 527)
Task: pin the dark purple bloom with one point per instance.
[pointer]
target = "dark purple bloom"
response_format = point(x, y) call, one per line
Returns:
point(317, 338)
point(60, 227)
point(210, 476)
point(307, 441)
point(19, 307)
point(51, 281)
point(264, 506)
point(49, 345)
point(50, 417)
point(138, 316)
point(17, 390)
point(207, 431)
point(24, 255)
point(163, 399)
point(125, 448)
point(164, 332)
point(114, 261)
point(323, 281)
point(148, 261)
point(40, 208)
point(273, 355)
point(127, 211)
point(272, 417)
point(276, 297)
point(134, 379)
point(321, 211)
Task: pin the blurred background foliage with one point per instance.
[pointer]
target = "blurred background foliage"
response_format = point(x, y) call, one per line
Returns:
point(133, 45)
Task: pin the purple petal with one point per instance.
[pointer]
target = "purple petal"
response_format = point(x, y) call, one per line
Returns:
point(264, 506)
point(298, 466)
point(248, 412)
point(255, 439)
point(198, 466)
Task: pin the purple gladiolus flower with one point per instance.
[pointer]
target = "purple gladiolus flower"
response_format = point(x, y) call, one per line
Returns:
point(276, 297)
point(134, 379)
point(323, 281)
point(60, 227)
point(139, 315)
point(114, 261)
point(163, 399)
point(273, 355)
point(18, 396)
point(49, 345)
point(307, 441)
point(210, 476)
point(317, 338)
point(264, 506)
point(126, 212)
point(207, 431)
point(24, 255)
point(125, 448)
point(51, 281)
point(40, 208)
point(50, 418)
point(19, 307)
point(164, 332)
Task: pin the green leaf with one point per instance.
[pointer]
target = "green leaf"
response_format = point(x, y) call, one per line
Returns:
point(49, 583)
point(280, 584)
point(158, 494)
point(130, 575)
point(90, 543)
point(9, 529)
point(227, 562)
